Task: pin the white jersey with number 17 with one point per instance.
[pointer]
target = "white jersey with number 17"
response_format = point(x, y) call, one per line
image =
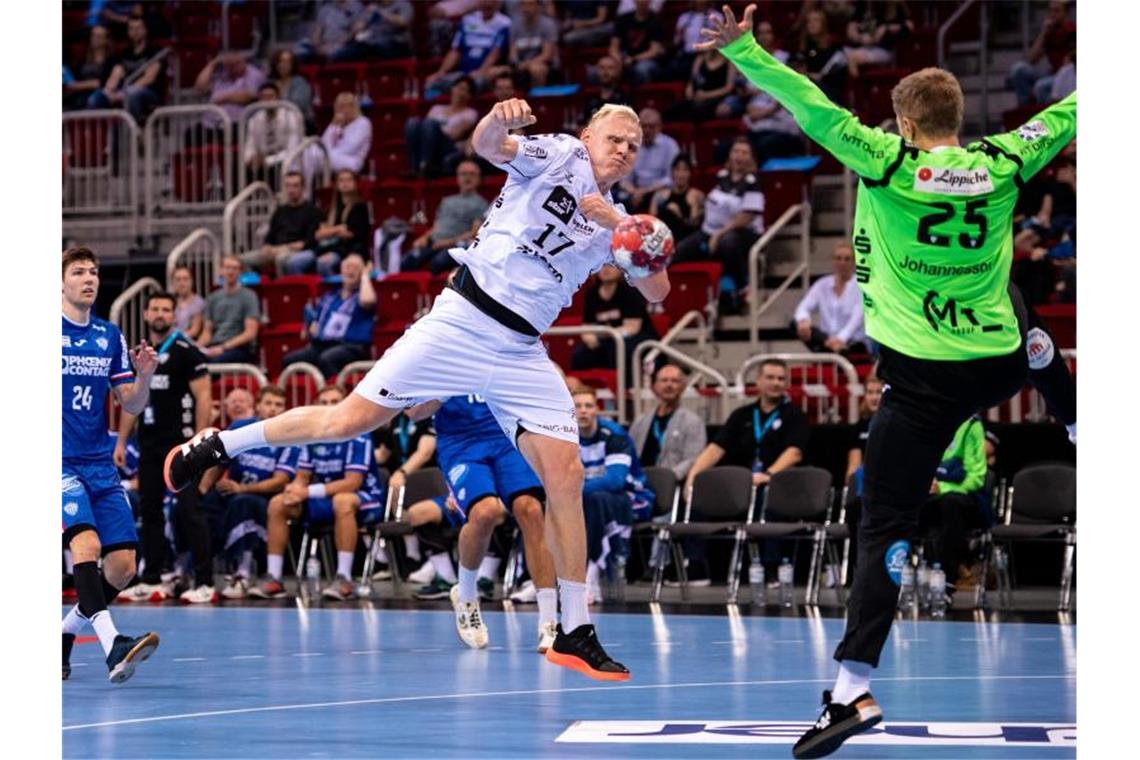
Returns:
point(535, 248)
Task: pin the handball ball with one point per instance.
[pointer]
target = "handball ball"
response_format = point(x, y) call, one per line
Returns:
point(642, 245)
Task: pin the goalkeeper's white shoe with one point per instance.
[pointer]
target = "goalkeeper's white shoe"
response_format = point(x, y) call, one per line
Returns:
point(468, 621)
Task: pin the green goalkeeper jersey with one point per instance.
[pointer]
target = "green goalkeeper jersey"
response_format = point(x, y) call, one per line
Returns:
point(933, 229)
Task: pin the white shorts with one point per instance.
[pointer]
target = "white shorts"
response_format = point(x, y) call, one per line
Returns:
point(456, 350)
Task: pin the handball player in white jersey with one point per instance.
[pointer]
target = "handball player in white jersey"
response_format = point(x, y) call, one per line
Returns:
point(549, 229)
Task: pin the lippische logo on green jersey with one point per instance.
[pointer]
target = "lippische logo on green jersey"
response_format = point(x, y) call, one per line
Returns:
point(930, 179)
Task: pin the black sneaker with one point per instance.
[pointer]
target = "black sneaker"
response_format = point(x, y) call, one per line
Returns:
point(127, 653)
point(837, 724)
point(186, 462)
point(437, 589)
point(68, 643)
point(486, 588)
point(580, 650)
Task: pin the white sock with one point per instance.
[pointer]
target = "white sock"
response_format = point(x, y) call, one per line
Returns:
point(248, 437)
point(468, 590)
point(443, 568)
point(412, 544)
point(854, 679)
point(574, 611)
point(105, 629)
point(381, 554)
point(489, 566)
point(344, 564)
point(74, 622)
point(245, 567)
point(273, 565)
point(547, 606)
point(1072, 433)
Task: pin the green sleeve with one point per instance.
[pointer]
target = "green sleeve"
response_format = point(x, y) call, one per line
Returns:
point(1034, 144)
point(970, 445)
point(867, 151)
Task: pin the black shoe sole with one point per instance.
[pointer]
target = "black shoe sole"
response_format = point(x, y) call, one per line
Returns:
point(140, 652)
point(831, 738)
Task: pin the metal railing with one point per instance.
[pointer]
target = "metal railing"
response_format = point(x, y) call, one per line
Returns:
point(201, 252)
point(349, 372)
point(314, 164)
point(127, 310)
point(272, 174)
point(229, 377)
point(644, 399)
point(829, 407)
point(101, 171)
point(802, 270)
point(619, 356)
point(246, 218)
point(682, 324)
point(302, 393)
point(983, 50)
point(189, 162)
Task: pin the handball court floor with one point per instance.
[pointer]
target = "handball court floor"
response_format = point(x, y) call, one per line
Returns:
point(372, 680)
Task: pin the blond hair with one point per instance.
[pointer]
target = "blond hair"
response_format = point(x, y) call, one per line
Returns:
point(932, 97)
point(613, 109)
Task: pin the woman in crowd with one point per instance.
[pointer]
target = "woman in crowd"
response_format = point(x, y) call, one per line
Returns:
point(710, 82)
point(874, 32)
point(190, 306)
point(292, 86)
point(436, 137)
point(92, 72)
point(345, 229)
point(819, 58)
point(683, 206)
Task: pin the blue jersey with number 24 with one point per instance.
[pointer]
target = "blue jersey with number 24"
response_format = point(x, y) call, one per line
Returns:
point(95, 359)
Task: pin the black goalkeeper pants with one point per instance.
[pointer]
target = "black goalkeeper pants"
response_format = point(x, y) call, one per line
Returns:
point(190, 519)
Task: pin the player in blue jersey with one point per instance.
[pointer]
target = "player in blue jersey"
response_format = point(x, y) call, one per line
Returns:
point(334, 482)
point(485, 472)
point(97, 518)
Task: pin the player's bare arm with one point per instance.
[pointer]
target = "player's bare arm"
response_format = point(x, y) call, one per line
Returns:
point(492, 139)
point(134, 396)
point(595, 208)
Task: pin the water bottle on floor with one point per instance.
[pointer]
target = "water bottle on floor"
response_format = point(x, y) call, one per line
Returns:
point(756, 582)
point(923, 592)
point(617, 587)
point(786, 576)
point(906, 589)
point(937, 591)
point(313, 576)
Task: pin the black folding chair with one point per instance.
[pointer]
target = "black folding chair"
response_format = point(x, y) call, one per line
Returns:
point(419, 485)
point(663, 481)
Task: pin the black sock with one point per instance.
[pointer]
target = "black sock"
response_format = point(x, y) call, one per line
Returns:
point(89, 588)
point(109, 591)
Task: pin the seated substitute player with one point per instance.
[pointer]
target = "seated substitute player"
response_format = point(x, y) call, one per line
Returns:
point(238, 502)
point(549, 229)
point(334, 482)
point(933, 244)
point(97, 519)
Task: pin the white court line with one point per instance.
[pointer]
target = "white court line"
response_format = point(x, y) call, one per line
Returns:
point(189, 659)
point(367, 651)
point(530, 692)
point(308, 654)
point(433, 649)
point(248, 657)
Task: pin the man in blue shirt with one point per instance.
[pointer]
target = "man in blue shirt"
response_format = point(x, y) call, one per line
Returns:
point(479, 46)
point(97, 517)
point(340, 329)
point(334, 481)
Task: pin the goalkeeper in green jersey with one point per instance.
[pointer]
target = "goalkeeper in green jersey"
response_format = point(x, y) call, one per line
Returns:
point(933, 244)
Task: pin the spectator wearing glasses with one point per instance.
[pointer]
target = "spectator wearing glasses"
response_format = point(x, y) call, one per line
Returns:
point(839, 302)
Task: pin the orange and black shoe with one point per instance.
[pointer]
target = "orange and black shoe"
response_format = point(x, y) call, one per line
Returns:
point(580, 650)
point(186, 462)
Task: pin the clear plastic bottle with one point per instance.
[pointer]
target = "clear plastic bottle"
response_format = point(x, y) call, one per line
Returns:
point(313, 576)
point(756, 582)
point(923, 586)
point(937, 591)
point(786, 576)
point(907, 590)
point(617, 587)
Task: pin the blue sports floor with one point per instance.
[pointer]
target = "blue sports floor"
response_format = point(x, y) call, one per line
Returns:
point(291, 682)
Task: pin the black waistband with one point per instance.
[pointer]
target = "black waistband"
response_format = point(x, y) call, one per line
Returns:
point(464, 283)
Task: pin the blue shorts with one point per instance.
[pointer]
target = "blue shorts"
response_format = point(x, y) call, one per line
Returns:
point(477, 471)
point(451, 519)
point(93, 496)
point(320, 510)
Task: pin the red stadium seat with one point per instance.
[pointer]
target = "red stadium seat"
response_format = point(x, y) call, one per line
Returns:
point(682, 132)
point(400, 296)
point(394, 199)
point(389, 115)
point(550, 112)
point(389, 79)
point(659, 95)
point(301, 389)
point(335, 78)
point(275, 344)
point(560, 347)
point(694, 286)
point(597, 378)
point(872, 94)
point(384, 334)
point(389, 159)
point(199, 172)
point(283, 301)
point(709, 133)
point(782, 189)
point(1061, 319)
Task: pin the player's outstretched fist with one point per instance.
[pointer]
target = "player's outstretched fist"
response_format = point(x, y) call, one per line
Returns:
point(512, 113)
point(144, 358)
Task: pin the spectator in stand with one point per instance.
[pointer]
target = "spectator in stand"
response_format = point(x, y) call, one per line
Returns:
point(744, 91)
point(232, 319)
point(346, 228)
point(653, 169)
point(585, 23)
point(671, 435)
point(686, 36)
point(1049, 236)
point(478, 49)
point(348, 137)
point(190, 306)
point(639, 42)
point(290, 243)
point(270, 133)
point(232, 83)
point(456, 221)
point(768, 436)
point(112, 14)
point(534, 45)
point(874, 31)
point(608, 72)
point(432, 139)
point(292, 86)
point(92, 73)
point(772, 130)
point(819, 58)
point(503, 88)
point(1032, 78)
point(613, 302)
point(382, 30)
point(853, 479)
point(710, 83)
point(682, 206)
point(138, 80)
point(331, 31)
point(734, 220)
point(840, 304)
point(340, 331)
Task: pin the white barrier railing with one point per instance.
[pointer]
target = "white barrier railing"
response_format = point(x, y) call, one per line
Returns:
point(351, 373)
point(246, 218)
point(229, 377)
point(127, 310)
point(690, 318)
point(619, 357)
point(300, 159)
point(802, 270)
point(201, 252)
point(644, 398)
point(301, 393)
point(271, 174)
point(100, 173)
point(829, 407)
point(189, 160)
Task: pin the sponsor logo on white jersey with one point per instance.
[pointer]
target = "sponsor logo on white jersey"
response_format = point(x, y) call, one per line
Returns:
point(953, 181)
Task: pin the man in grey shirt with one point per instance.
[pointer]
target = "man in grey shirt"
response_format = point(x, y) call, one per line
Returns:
point(653, 168)
point(534, 43)
point(231, 319)
point(671, 435)
point(456, 221)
